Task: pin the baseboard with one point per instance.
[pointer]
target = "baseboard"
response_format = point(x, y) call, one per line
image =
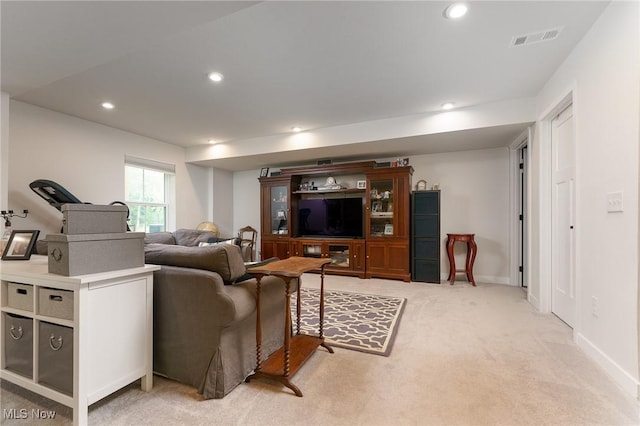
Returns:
point(479, 279)
point(627, 382)
point(534, 301)
point(492, 279)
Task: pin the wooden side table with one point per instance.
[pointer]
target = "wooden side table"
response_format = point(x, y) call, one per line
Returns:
point(286, 361)
point(472, 250)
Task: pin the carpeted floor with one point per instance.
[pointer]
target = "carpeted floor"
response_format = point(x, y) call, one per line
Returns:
point(462, 356)
point(356, 321)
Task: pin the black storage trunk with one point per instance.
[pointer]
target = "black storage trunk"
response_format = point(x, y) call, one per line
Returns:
point(425, 236)
point(18, 344)
point(55, 364)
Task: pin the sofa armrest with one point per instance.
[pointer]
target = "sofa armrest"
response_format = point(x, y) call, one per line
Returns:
point(192, 298)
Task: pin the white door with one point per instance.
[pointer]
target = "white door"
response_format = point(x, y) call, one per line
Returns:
point(563, 302)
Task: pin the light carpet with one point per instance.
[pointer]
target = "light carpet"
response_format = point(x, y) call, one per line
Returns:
point(361, 322)
point(463, 356)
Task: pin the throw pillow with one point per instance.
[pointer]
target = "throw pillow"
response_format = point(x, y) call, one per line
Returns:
point(225, 259)
point(192, 237)
point(159, 238)
point(214, 241)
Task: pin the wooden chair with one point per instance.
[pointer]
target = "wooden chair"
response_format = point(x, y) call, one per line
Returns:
point(247, 236)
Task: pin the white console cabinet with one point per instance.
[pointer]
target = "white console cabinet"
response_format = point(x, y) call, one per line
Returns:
point(108, 316)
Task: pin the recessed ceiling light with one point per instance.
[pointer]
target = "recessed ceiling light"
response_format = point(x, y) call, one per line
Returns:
point(456, 10)
point(296, 129)
point(107, 105)
point(447, 105)
point(216, 77)
point(211, 141)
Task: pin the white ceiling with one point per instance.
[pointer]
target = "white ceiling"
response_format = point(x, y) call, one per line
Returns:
point(314, 64)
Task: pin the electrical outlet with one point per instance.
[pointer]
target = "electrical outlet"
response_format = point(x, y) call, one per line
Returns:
point(594, 306)
point(614, 202)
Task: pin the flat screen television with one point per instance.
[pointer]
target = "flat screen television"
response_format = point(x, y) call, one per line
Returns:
point(331, 217)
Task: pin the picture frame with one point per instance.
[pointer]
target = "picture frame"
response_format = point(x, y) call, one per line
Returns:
point(361, 184)
point(376, 206)
point(388, 229)
point(264, 172)
point(20, 245)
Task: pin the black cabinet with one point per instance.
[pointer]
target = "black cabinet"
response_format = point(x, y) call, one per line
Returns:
point(425, 236)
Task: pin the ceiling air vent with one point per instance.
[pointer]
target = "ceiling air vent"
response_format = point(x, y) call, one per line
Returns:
point(537, 37)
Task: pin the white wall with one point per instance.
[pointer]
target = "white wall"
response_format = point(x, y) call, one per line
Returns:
point(474, 199)
point(88, 160)
point(4, 153)
point(246, 201)
point(222, 202)
point(604, 73)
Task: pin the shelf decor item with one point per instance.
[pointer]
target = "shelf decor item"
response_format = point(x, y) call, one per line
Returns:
point(421, 185)
point(361, 184)
point(20, 245)
point(264, 172)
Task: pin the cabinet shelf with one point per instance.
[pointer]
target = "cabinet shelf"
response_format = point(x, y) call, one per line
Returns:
point(331, 191)
point(381, 215)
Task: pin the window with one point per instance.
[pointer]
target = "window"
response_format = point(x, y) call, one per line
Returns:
point(150, 194)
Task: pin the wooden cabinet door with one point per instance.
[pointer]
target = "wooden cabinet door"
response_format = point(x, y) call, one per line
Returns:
point(275, 248)
point(376, 258)
point(294, 248)
point(387, 259)
point(281, 248)
point(358, 255)
point(398, 260)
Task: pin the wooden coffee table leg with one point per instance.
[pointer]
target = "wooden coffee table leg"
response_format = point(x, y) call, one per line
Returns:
point(323, 344)
point(287, 326)
point(298, 307)
point(258, 325)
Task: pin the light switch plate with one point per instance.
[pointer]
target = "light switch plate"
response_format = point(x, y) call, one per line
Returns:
point(614, 202)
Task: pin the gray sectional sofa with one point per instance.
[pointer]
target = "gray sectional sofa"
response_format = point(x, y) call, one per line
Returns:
point(205, 312)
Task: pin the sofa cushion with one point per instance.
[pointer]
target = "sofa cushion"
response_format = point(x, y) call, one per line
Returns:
point(225, 259)
point(159, 238)
point(192, 237)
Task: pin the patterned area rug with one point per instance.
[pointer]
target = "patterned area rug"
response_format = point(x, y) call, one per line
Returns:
point(361, 322)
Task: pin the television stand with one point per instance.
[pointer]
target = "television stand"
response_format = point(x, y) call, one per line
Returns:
point(382, 191)
point(346, 254)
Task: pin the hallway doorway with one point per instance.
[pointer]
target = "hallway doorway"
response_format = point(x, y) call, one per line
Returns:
point(563, 293)
point(523, 240)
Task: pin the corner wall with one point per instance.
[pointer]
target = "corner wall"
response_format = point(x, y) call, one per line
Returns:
point(604, 73)
point(474, 199)
point(88, 160)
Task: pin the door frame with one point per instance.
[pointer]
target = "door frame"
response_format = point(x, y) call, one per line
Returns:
point(514, 222)
point(545, 203)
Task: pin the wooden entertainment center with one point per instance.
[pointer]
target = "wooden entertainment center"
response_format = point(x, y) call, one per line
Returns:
point(381, 249)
